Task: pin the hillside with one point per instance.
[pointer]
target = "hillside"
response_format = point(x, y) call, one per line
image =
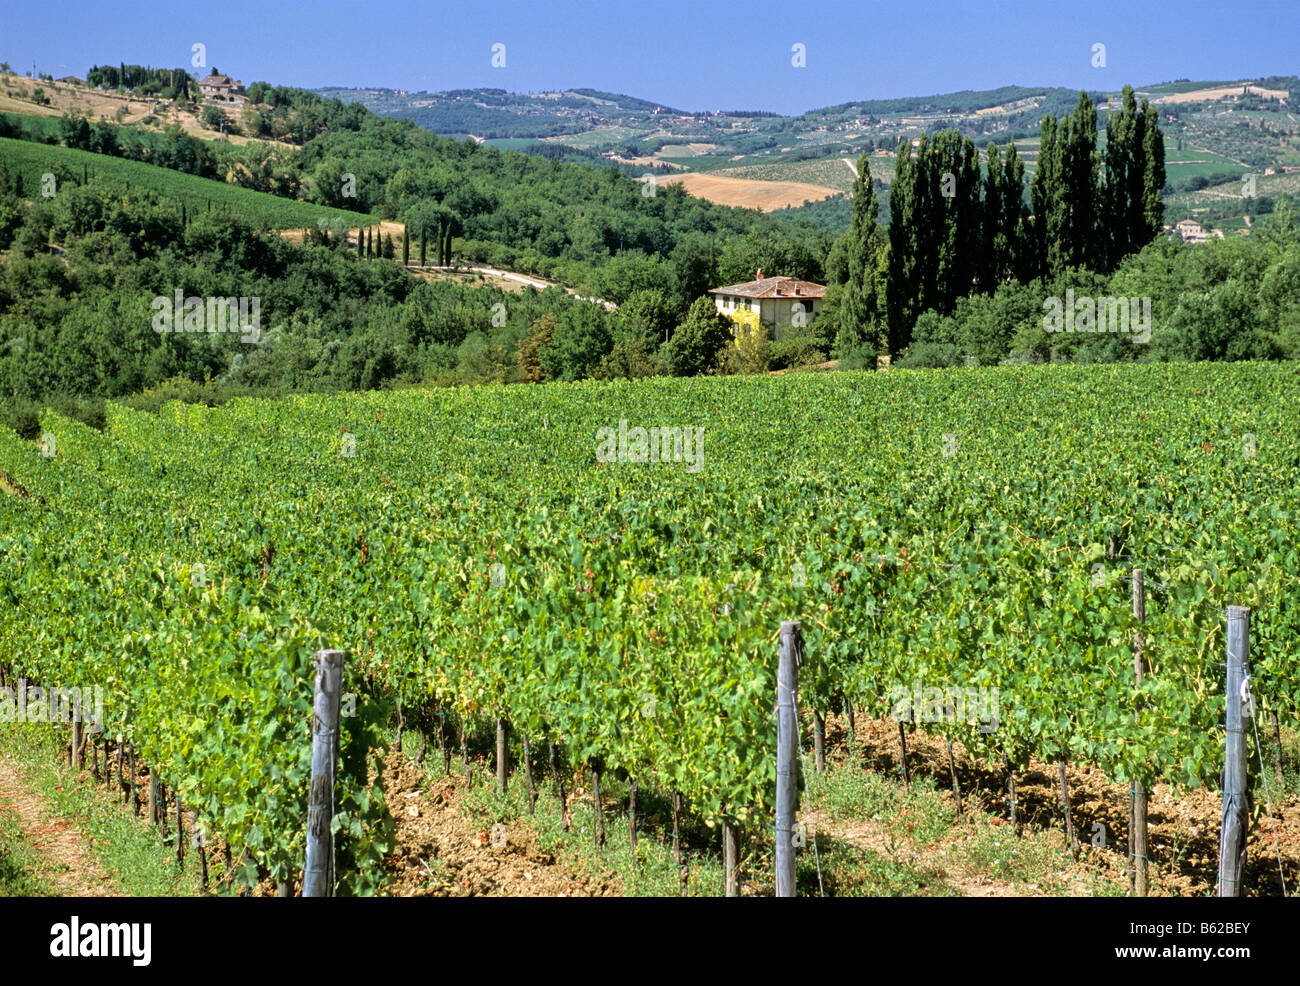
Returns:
point(1220, 130)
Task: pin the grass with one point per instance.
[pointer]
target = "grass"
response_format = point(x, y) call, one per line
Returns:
point(23, 873)
point(923, 847)
point(132, 853)
point(650, 872)
point(32, 160)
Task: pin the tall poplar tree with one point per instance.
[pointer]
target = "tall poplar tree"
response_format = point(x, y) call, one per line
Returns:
point(993, 244)
point(858, 333)
point(1153, 144)
point(1017, 259)
point(901, 287)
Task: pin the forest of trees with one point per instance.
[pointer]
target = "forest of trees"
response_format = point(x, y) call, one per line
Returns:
point(165, 83)
point(958, 275)
point(957, 231)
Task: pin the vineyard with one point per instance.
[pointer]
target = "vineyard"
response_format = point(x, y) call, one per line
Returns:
point(32, 161)
point(482, 561)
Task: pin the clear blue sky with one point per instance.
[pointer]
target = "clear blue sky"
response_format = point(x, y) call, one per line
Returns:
point(692, 55)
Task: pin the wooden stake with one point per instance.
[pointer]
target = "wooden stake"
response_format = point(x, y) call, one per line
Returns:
point(677, 842)
point(565, 818)
point(503, 757)
point(1232, 835)
point(819, 741)
point(631, 815)
point(1011, 791)
point(595, 794)
point(1138, 838)
point(442, 743)
point(952, 772)
point(1069, 819)
point(907, 772)
point(1277, 747)
point(528, 777)
point(730, 858)
point(464, 752)
point(180, 833)
point(787, 754)
point(318, 874)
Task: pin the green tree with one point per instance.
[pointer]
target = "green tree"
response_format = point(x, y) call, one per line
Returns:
point(1153, 177)
point(581, 339)
point(698, 342)
point(859, 336)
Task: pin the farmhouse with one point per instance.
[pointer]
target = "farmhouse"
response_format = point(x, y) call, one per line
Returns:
point(223, 89)
point(779, 302)
point(1191, 231)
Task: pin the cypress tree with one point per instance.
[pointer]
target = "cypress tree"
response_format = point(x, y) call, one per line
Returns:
point(1046, 198)
point(406, 246)
point(1153, 146)
point(901, 287)
point(1018, 254)
point(424, 237)
point(1080, 174)
point(993, 241)
point(858, 331)
point(966, 160)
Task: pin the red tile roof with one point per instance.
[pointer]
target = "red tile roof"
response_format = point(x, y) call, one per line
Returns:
point(774, 287)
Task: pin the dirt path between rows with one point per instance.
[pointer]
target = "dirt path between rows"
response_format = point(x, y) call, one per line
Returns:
point(73, 867)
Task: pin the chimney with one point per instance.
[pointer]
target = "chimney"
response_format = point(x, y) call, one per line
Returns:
point(759, 275)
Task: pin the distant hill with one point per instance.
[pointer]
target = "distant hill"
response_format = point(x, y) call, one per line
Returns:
point(496, 113)
point(1216, 131)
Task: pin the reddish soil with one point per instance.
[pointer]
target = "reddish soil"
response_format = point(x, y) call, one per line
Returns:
point(1183, 825)
point(442, 853)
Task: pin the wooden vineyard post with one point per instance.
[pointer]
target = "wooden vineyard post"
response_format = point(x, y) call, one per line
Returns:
point(318, 876)
point(819, 741)
point(902, 742)
point(1277, 747)
point(76, 737)
point(597, 768)
point(787, 755)
point(631, 816)
point(180, 832)
point(1065, 806)
point(503, 757)
point(1139, 801)
point(528, 777)
point(677, 842)
point(730, 857)
point(566, 818)
point(1232, 835)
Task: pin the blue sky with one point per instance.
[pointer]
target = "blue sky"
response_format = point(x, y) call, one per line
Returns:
point(691, 55)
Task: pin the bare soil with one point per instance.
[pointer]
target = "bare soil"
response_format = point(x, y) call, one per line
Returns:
point(1183, 825)
point(73, 866)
